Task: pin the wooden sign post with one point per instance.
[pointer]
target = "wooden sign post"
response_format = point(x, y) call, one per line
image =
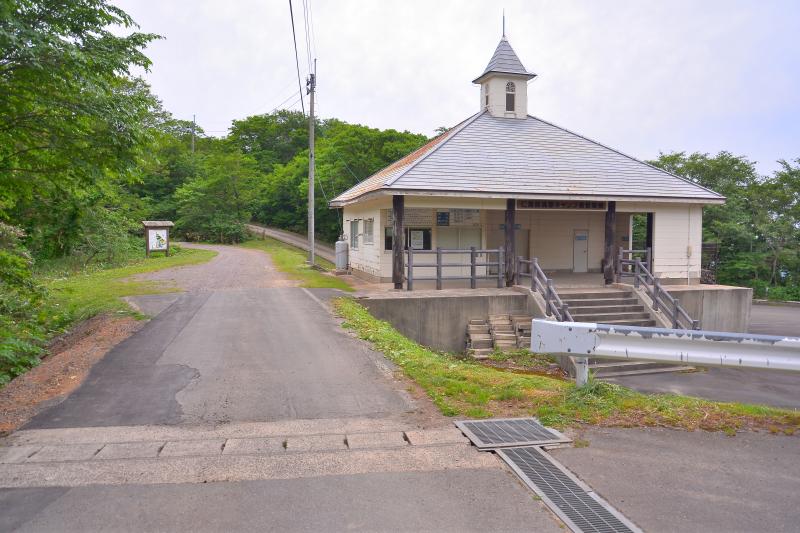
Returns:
point(156, 235)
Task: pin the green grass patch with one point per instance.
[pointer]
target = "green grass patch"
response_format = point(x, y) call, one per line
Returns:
point(462, 387)
point(292, 261)
point(84, 295)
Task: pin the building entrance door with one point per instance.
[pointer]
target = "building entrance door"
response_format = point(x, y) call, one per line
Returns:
point(580, 251)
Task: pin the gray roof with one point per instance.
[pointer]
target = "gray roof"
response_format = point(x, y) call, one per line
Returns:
point(487, 155)
point(505, 61)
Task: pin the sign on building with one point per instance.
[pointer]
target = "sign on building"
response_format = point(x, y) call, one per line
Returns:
point(156, 236)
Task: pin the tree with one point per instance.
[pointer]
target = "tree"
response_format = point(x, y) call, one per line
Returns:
point(72, 120)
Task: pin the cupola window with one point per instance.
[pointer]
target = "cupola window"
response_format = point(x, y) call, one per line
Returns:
point(510, 90)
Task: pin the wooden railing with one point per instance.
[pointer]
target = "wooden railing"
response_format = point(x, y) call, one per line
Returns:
point(625, 259)
point(477, 258)
point(544, 286)
point(662, 300)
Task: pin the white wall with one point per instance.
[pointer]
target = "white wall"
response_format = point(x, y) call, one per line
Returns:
point(677, 241)
point(496, 85)
point(367, 257)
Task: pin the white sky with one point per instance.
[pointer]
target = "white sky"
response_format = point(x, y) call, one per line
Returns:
point(642, 77)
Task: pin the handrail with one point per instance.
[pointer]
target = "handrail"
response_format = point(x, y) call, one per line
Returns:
point(439, 265)
point(621, 259)
point(544, 286)
point(661, 299)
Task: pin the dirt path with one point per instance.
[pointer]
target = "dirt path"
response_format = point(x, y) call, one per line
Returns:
point(232, 268)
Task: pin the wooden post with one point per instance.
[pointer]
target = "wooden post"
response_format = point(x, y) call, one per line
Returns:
point(500, 263)
point(511, 207)
point(518, 271)
point(675, 314)
point(656, 288)
point(410, 279)
point(611, 230)
point(398, 241)
point(649, 259)
point(534, 272)
point(637, 273)
point(438, 268)
point(473, 281)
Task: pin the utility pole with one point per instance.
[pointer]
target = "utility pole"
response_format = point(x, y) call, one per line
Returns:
point(194, 122)
point(311, 85)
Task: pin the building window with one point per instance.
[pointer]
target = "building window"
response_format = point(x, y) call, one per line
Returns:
point(354, 234)
point(417, 238)
point(510, 90)
point(369, 237)
point(486, 93)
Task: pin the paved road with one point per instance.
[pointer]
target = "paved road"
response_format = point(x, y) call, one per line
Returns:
point(667, 480)
point(301, 241)
point(243, 405)
point(778, 389)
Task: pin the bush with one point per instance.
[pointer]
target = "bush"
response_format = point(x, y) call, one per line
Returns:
point(22, 321)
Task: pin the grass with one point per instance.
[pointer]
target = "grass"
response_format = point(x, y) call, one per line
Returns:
point(81, 296)
point(462, 387)
point(292, 261)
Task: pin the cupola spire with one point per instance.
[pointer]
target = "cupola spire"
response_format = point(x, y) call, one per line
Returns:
point(504, 82)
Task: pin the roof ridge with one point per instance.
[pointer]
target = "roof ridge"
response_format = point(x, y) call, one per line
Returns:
point(450, 134)
point(626, 155)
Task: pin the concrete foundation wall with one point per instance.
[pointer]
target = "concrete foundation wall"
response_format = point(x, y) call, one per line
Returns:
point(440, 322)
point(718, 307)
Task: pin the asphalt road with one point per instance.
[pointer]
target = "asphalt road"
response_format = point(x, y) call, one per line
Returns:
point(778, 389)
point(668, 480)
point(242, 347)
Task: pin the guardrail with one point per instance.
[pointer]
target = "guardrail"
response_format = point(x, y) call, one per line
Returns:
point(544, 286)
point(440, 265)
point(661, 299)
point(583, 340)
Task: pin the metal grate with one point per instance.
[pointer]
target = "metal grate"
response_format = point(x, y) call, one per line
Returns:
point(507, 432)
point(572, 500)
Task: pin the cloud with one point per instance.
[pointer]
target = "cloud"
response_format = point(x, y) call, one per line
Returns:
point(639, 76)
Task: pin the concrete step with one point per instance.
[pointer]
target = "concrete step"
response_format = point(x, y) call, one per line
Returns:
point(597, 295)
point(481, 344)
point(477, 322)
point(477, 330)
point(503, 327)
point(583, 310)
point(480, 353)
point(505, 337)
point(641, 323)
point(605, 317)
point(600, 302)
point(499, 317)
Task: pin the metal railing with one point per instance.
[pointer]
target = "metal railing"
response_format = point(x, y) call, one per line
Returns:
point(477, 258)
point(623, 255)
point(661, 299)
point(544, 286)
point(702, 348)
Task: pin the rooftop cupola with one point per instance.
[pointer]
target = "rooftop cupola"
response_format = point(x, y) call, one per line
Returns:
point(504, 83)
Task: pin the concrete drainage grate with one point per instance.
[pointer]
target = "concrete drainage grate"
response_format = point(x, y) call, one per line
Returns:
point(509, 432)
point(572, 500)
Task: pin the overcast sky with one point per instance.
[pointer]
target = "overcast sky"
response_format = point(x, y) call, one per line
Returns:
point(642, 77)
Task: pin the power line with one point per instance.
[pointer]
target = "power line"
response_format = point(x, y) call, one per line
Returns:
point(296, 58)
point(308, 38)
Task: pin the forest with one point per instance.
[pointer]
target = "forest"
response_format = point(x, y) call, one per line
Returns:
point(87, 151)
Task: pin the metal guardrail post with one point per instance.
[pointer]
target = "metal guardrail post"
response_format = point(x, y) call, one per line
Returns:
point(473, 281)
point(438, 268)
point(410, 280)
point(501, 274)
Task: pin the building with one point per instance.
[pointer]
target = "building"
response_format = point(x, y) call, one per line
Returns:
point(504, 178)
